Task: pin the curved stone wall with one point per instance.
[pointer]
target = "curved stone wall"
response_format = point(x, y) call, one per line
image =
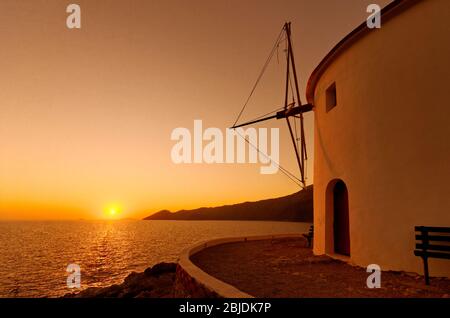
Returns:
point(193, 282)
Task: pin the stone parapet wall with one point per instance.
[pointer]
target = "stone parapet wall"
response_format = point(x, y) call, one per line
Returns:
point(193, 282)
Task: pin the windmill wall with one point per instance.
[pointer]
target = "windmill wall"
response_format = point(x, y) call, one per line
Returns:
point(388, 136)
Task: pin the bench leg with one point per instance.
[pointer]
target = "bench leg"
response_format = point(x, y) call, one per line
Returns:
point(425, 269)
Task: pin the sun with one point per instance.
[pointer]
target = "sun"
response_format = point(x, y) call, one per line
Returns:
point(112, 211)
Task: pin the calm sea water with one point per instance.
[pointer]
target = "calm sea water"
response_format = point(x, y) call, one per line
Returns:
point(34, 255)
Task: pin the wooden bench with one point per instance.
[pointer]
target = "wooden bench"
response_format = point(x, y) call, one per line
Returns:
point(310, 235)
point(432, 242)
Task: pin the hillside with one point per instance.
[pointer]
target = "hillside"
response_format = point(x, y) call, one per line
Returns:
point(295, 207)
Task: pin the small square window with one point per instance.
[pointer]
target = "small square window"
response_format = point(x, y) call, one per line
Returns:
point(330, 96)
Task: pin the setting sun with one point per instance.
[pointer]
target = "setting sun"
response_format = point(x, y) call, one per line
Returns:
point(112, 211)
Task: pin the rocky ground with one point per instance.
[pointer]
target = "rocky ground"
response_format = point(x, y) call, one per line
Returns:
point(278, 268)
point(154, 282)
point(286, 268)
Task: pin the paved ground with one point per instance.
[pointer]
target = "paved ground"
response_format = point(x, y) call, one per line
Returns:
point(286, 268)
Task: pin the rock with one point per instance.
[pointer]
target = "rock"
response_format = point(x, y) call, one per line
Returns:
point(132, 279)
point(154, 282)
point(98, 292)
point(161, 268)
point(145, 294)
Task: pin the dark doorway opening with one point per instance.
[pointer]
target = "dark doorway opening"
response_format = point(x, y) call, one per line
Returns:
point(341, 219)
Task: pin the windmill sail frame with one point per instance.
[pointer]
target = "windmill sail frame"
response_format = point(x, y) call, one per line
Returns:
point(293, 110)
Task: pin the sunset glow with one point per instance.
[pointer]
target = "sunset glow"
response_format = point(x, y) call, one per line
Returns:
point(224, 157)
point(112, 212)
point(86, 115)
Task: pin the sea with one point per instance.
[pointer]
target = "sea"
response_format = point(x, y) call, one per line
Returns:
point(35, 255)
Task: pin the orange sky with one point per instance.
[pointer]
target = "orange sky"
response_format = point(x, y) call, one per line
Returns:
point(86, 115)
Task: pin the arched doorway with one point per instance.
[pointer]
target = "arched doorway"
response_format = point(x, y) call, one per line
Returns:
point(341, 222)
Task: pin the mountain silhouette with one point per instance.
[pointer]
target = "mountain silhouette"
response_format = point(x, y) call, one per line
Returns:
point(295, 207)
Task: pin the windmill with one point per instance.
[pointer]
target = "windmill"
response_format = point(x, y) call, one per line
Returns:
point(291, 110)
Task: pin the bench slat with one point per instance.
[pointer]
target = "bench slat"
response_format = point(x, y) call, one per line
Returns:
point(441, 238)
point(440, 234)
point(432, 254)
point(433, 247)
point(432, 229)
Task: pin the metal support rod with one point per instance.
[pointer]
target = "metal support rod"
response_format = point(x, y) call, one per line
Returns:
point(304, 153)
point(287, 73)
point(255, 121)
point(302, 177)
point(301, 158)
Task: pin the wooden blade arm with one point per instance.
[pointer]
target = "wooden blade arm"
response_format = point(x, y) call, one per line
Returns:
point(281, 114)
